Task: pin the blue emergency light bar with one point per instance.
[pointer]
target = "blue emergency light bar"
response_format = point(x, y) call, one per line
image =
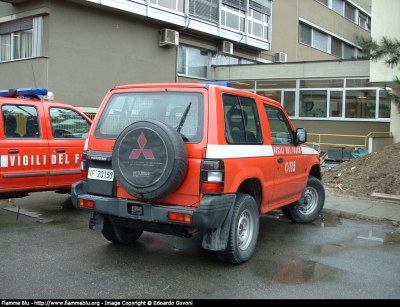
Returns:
point(220, 83)
point(26, 92)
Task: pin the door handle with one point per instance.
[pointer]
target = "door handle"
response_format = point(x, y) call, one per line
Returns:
point(13, 151)
point(280, 160)
point(60, 150)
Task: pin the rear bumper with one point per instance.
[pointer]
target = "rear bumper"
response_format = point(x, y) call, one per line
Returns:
point(210, 214)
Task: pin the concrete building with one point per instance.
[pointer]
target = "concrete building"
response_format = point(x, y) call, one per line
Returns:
point(387, 12)
point(79, 49)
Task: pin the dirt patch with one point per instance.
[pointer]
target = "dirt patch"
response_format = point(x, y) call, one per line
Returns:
point(377, 172)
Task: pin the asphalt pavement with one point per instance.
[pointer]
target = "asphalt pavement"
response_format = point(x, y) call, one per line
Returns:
point(336, 203)
point(363, 208)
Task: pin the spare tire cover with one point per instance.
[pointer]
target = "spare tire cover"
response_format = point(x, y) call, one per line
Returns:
point(149, 159)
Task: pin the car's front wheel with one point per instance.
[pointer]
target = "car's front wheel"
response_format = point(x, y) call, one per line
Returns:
point(310, 205)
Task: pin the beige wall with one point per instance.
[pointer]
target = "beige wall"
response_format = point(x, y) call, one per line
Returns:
point(84, 58)
point(285, 23)
point(386, 26)
point(387, 12)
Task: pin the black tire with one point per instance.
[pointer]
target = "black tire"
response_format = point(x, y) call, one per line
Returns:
point(312, 202)
point(243, 233)
point(149, 159)
point(118, 234)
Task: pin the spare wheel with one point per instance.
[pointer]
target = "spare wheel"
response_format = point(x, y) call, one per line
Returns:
point(149, 159)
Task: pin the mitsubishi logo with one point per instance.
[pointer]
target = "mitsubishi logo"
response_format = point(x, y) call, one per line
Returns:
point(147, 153)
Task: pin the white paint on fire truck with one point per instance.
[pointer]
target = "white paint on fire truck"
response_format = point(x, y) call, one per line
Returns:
point(35, 160)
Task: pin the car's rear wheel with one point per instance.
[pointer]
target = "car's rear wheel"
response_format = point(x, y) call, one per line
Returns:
point(149, 159)
point(308, 208)
point(243, 233)
point(118, 234)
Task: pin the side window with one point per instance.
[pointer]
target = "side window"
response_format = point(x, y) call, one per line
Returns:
point(280, 128)
point(242, 124)
point(67, 123)
point(20, 121)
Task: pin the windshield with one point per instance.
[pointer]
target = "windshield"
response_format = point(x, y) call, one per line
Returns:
point(123, 109)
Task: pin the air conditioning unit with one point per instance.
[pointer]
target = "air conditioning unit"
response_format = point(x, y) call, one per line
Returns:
point(280, 57)
point(225, 47)
point(169, 37)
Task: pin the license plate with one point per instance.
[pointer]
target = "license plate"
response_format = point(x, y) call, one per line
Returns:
point(101, 174)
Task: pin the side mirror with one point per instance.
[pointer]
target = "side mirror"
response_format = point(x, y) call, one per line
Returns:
point(301, 135)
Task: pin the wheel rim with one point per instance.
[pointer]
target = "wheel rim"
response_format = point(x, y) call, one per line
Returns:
point(245, 229)
point(310, 200)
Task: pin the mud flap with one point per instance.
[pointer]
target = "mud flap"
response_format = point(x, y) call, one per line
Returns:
point(217, 239)
point(298, 205)
point(96, 221)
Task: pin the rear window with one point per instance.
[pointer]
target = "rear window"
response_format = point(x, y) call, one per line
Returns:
point(123, 109)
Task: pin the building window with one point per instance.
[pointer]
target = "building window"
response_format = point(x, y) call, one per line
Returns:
point(232, 18)
point(313, 103)
point(258, 18)
point(258, 24)
point(192, 62)
point(326, 98)
point(175, 5)
point(285, 98)
point(244, 84)
point(336, 103)
point(313, 38)
point(305, 34)
point(338, 6)
point(5, 51)
point(363, 21)
point(327, 43)
point(289, 102)
point(263, 6)
point(275, 95)
point(22, 44)
point(349, 12)
point(352, 83)
point(323, 83)
point(360, 104)
point(336, 47)
point(222, 59)
point(348, 51)
point(384, 105)
point(20, 39)
point(205, 9)
point(320, 41)
point(246, 62)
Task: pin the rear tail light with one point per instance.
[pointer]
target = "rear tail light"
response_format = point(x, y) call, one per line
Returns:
point(84, 203)
point(179, 217)
point(84, 166)
point(212, 177)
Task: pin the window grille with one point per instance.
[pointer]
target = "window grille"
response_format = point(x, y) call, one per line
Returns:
point(205, 9)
